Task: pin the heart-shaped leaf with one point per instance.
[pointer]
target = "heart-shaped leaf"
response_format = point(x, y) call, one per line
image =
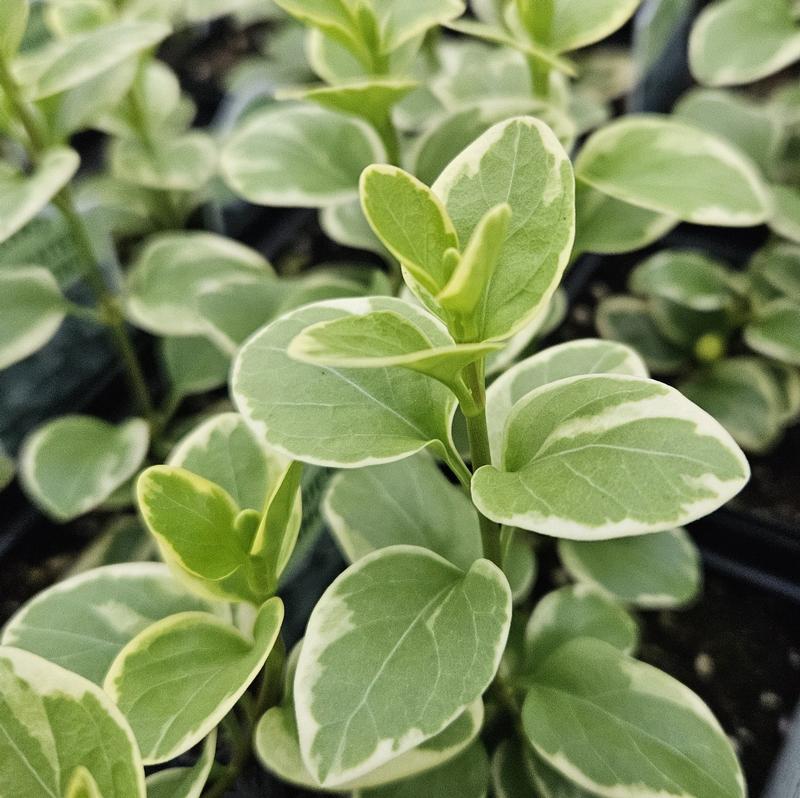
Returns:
point(402, 612)
point(605, 456)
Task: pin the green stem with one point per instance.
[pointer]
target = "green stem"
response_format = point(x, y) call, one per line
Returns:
point(391, 142)
point(23, 111)
point(540, 78)
point(480, 453)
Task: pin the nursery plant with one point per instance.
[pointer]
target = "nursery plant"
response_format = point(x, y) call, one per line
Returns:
point(426, 652)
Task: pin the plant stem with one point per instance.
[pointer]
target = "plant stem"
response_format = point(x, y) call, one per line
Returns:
point(480, 453)
point(388, 133)
point(540, 78)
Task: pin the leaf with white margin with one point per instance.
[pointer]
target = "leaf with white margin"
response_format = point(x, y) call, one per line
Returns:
point(193, 364)
point(775, 273)
point(23, 196)
point(184, 782)
point(674, 168)
point(382, 339)
point(71, 465)
point(609, 226)
point(13, 21)
point(224, 450)
point(648, 571)
point(340, 417)
point(651, 736)
point(465, 775)
point(176, 680)
point(182, 163)
point(785, 220)
point(82, 784)
point(32, 308)
point(401, 612)
point(416, 503)
point(775, 332)
point(299, 156)
point(576, 611)
point(628, 320)
point(583, 356)
point(83, 622)
point(787, 381)
point(64, 64)
point(53, 722)
point(346, 224)
point(173, 268)
point(401, 22)
point(604, 456)
point(520, 162)
point(740, 41)
point(744, 396)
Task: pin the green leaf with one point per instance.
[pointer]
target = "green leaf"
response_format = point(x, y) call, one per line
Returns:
point(572, 612)
point(416, 503)
point(586, 356)
point(23, 196)
point(785, 220)
point(648, 571)
point(82, 784)
point(83, 622)
point(311, 412)
point(628, 320)
point(31, 311)
point(401, 22)
point(519, 162)
point(64, 64)
point(382, 339)
point(399, 613)
point(741, 41)
point(676, 169)
point(743, 396)
point(787, 382)
point(193, 364)
point(7, 468)
point(67, 18)
point(775, 272)
point(650, 735)
point(224, 450)
point(314, 157)
point(176, 680)
point(466, 775)
point(610, 226)
point(184, 782)
point(71, 465)
point(173, 268)
point(775, 332)
point(53, 722)
point(604, 456)
point(13, 21)
point(183, 163)
point(346, 224)
point(411, 222)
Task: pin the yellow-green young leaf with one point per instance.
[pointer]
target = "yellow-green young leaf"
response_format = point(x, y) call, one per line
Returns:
point(31, 311)
point(648, 571)
point(224, 450)
point(64, 64)
point(651, 736)
point(13, 21)
point(53, 722)
point(470, 280)
point(586, 356)
point(744, 396)
point(193, 364)
point(775, 332)
point(176, 680)
point(519, 162)
point(628, 320)
point(82, 784)
point(183, 163)
point(402, 613)
point(71, 465)
point(741, 41)
point(382, 339)
point(604, 456)
point(310, 412)
point(576, 611)
point(184, 782)
point(465, 775)
point(411, 222)
point(610, 226)
point(572, 24)
point(23, 196)
point(676, 169)
point(173, 268)
point(299, 156)
point(83, 622)
point(192, 520)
